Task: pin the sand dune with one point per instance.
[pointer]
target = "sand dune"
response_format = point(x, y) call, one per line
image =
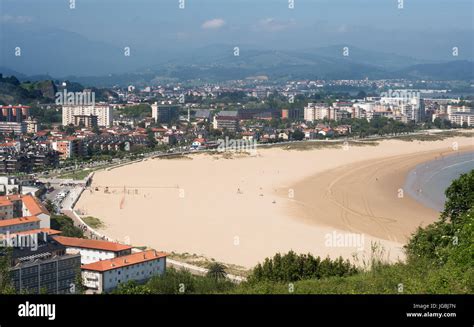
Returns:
point(244, 209)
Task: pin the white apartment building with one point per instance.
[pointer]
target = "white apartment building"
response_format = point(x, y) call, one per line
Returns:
point(356, 111)
point(31, 125)
point(102, 111)
point(106, 275)
point(457, 115)
point(21, 206)
point(460, 118)
point(17, 225)
point(456, 109)
point(319, 111)
point(93, 250)
point(411, 107)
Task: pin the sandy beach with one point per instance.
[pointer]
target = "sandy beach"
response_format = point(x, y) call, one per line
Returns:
point(244, 209)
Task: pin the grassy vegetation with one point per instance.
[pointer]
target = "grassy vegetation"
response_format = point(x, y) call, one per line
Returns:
point(416, 278)
point(93, 222)
point(311, 145)
point(204, 262)
point(432, 137)
point(216, 155)
point(174, 156)
point(138, 112)
point(177, 282)
point(76, 175)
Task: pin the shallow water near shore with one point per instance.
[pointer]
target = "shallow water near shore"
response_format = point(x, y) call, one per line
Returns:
point(428, 181)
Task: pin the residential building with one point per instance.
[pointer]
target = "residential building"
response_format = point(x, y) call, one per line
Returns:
point(412, 107)
point(164, 113)
point(16, 128)
point(19, 185)
point(93, 250)
point(292, 113)
point(87, 121)
point(103, 112)
point(462, 118)
point(15, 225)
point(14, 113)
point(26, 157)
point(18, 206)
point(106, 275)
point(31, 125)
point(12, 119)
point(68, 147)
point(46, 268)
point(319, 111)
point(227, 119)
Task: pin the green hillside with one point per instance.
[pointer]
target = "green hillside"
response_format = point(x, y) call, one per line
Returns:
point(12, 91)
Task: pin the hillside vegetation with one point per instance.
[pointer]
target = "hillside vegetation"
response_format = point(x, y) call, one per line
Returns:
point(14, 92)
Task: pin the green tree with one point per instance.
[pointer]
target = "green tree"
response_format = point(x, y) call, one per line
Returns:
point(79, 287)
point(66, 226)
point(70, 130)
point(131, 287)
point(293, 267)
point(298, 135)
point(6, 286)
point(435, 241)
point(216, 271)
point(172, 282)
point(459, 197)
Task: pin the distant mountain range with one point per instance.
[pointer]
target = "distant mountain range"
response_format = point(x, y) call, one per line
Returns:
point(91, 63)
point(272, 66)
point(48, 52)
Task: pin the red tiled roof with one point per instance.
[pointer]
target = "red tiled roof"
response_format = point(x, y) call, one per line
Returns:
point(6, 107)
point(18, 221)
point(48, 231)
point(5, 202)
point(124, 261)
point(33, 205)
point(200, 140)
point(91, 244)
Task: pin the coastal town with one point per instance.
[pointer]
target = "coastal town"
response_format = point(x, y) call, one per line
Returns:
point(172, 118)
point(48, 165)
point(245, 159)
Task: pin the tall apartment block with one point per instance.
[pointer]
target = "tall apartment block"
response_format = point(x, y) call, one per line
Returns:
point(72, 114)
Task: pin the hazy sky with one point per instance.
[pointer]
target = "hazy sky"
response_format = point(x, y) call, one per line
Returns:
point(425, 29)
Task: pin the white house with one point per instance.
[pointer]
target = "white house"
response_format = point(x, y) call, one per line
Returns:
point(33, 207)
point(21, 224)
point(106, 275)
point(93, 250)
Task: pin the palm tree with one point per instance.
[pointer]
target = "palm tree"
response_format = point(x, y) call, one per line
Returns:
point(216, 271)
